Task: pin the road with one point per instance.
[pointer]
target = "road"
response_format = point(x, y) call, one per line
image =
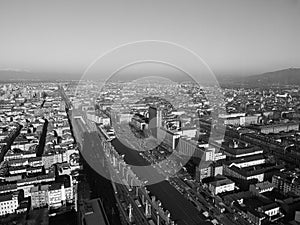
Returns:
point(182, 211)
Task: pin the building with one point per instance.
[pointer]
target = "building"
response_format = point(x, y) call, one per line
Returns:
point(240, 119)
point(250, 119)
point(25, 155)
point(276, 127)
point(9, 203)
point(56, 195)
point(236, 198)
point(252, 172)
point(60, 193)
point(221, 185)
point(231, 115)
point(208, 169)
point(190, 132)
point(272, 209)
point(262, 187)
point(286, 182)
point(261, 210)
point(241, 151)
point(34, 162)
point(63, 169)
point(244, 174)
point(27, 183)
point(212, 155)
point(7, 188)
point(247, 161)
point(234, 121)
point(39, 196)
point(257, 218)
point(102, 118)
point(124, 117)
point(169, 139)
point(54, 157)
point(53, 195)
point(155, 120)
point(203, 170)
point(139, 121)
point(189, 148)
point(291, 208)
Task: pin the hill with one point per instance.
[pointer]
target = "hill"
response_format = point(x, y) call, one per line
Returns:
point(26, 76)
point(278, 78)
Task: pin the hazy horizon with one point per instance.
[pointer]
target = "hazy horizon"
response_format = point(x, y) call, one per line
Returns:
point(236, 38)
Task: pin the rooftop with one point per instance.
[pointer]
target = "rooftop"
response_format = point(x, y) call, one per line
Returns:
point(7, 197)
point(247, 159)
point(221, 182)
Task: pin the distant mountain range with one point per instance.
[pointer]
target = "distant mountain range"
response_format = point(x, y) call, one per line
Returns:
point(18, 76)
point(289, 76)
point(284, 77)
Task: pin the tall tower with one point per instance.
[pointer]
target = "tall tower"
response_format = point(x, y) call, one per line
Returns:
point(155, 120)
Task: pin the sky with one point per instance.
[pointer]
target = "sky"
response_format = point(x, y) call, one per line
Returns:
point(233, 37)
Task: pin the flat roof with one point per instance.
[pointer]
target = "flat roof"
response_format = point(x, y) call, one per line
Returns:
point(4, 198)
point(273, 125)
point(222, 182)
point(247, 159)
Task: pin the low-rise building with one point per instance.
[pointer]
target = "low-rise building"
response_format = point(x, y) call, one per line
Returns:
point(7, 188)
point(286, 182)
point(238, 152)
point(188, 147)
point(208, 169)
point(52, 158)
point(53, 195)
point(247, 161)
point(9, 203)
point(168, 138)
point(221, 185)
point(252, 172)
point(24, 155)
point(276, 127)
point(262, 187)
point(63, 169)
point(260, 210)
point(256, 217)
point(39, 196)
point(140, 122)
